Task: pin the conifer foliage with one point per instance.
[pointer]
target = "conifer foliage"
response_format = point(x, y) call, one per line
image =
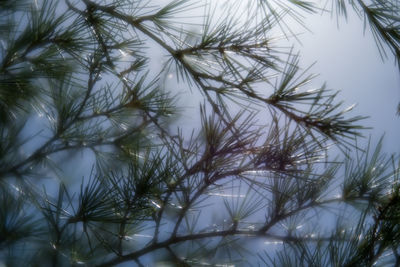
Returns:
point(251, 183)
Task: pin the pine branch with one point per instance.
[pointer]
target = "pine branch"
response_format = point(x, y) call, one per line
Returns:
point(179, 239)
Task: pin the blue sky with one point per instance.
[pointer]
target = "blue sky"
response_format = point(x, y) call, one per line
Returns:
point(348, 59)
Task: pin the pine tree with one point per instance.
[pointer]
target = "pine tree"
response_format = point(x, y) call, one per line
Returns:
point(77, 82)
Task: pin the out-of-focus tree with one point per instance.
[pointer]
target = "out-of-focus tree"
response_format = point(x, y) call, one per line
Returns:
point(76, 82)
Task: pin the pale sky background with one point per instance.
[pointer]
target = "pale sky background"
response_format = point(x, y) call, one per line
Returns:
point(349, 60)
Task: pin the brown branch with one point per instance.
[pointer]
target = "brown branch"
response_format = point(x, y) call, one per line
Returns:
point(208, 235)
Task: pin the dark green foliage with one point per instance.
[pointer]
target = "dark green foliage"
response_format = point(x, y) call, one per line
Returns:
point(77, 86)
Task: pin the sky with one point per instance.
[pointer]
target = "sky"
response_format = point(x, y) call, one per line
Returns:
point(347, 58)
